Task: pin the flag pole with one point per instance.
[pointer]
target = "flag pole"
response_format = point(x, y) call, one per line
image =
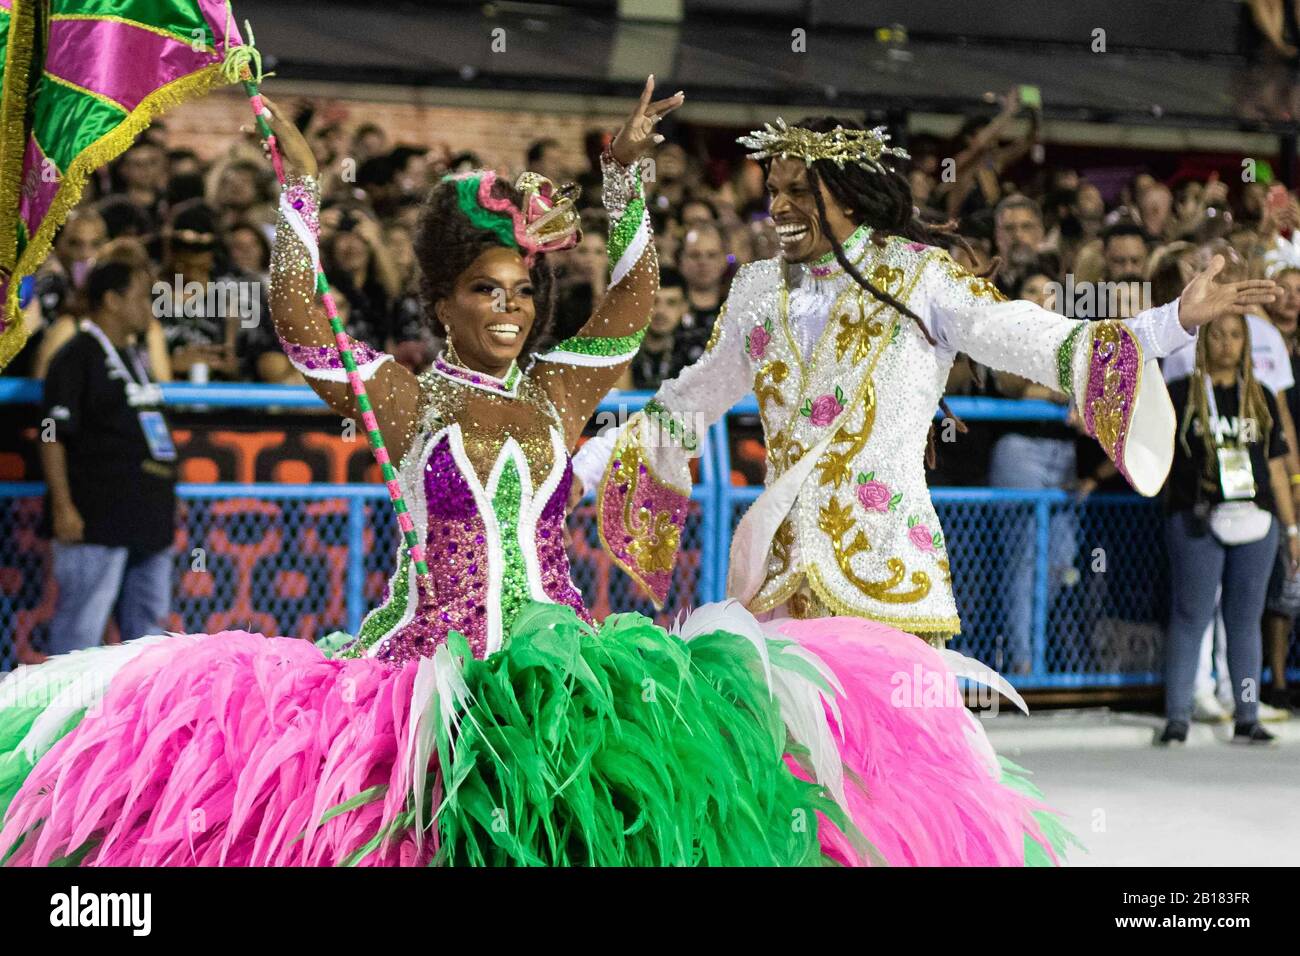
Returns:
point(243, 64)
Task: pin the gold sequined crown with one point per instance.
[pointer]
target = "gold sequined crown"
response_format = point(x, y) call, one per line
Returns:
point(861, 146)
point(550, 212)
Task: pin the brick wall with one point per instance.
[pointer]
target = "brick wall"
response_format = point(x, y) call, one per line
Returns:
point(501, 136)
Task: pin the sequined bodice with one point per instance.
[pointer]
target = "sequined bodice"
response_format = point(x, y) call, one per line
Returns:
point(487, 482)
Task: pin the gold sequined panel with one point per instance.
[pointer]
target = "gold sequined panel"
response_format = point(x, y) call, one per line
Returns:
point(487, 420)
point(1108, 408)
point(836, 465)
point(856, 329)
point(840, 525)
point(782, 549)
point(768, 388)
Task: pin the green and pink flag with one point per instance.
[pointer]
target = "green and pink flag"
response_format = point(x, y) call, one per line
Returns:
point(79, 80)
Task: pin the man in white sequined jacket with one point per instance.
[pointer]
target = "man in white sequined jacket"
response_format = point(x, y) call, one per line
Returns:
point(846, 340)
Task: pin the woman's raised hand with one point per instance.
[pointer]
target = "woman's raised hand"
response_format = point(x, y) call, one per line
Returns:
point(637, 133)
point(299, 160)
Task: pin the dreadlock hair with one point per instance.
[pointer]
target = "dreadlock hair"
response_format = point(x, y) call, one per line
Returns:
point(1254, 405)
point(447, 243)
point(883, 201)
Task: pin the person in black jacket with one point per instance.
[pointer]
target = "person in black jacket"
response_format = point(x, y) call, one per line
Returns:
point(1226, 492)
point(110, 467)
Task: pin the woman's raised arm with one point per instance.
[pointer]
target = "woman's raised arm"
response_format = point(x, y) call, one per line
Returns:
point(300, 321)
point(579, 371)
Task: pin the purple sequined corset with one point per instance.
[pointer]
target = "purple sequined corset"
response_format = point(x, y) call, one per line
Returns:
point(459, 557)
point(551, 556)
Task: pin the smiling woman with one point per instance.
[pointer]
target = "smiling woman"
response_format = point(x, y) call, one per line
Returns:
point(486, 300)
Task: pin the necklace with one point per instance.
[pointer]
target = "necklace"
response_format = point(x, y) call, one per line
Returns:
point(828, 265)
point(447, 366)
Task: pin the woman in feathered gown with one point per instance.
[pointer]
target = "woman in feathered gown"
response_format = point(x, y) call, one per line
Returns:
point(480, 716)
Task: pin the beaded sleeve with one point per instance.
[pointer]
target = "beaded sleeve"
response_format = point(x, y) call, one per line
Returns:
point(683, 409)
point(1106, 367)
point(579, 371)
point(304, 329)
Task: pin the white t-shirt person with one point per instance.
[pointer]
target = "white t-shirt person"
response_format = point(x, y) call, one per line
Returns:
point(1268, 354)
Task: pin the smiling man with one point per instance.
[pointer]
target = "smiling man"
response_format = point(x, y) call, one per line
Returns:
point(846, 339)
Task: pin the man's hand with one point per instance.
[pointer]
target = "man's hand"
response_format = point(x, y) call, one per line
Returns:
point(638, 134)
point(68, 526)
point(1204, 300)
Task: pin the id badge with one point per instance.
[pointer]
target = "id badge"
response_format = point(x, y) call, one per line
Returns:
point(158, 435)
point(1235, 474)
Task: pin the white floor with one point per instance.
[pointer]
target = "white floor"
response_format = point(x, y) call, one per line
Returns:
point(1209, 803)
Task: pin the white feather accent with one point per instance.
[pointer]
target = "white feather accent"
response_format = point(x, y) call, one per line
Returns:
point(971, 669)
point(66, 684)
point(962, 666)
point(422, 734)
point(980, 742)
point(802, 703)
point(752, 539)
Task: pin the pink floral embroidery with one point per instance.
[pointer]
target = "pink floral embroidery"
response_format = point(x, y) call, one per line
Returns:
point(919, 535)
point(916, 246)
point(922, 537)
point(758, 340)
point(874, 496)
point(823, 409)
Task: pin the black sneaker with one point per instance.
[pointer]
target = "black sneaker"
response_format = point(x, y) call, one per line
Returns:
point(1175, 733)
point(1279, 697)
point(1251, 734)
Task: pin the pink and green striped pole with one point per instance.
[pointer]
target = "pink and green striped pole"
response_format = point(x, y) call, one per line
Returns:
point(414, 547)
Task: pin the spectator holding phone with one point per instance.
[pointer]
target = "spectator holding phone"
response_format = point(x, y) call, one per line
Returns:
point(201, 342)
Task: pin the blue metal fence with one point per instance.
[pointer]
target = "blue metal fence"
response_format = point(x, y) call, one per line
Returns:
point(304, 560)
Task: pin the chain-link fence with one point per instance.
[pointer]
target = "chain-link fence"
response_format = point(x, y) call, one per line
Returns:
point(1051, 591)
point(300, 561)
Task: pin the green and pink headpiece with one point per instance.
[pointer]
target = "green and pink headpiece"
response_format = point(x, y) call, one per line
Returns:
point(548, 221)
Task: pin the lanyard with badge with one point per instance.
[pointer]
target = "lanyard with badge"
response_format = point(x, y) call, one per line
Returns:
point(1236, 476)
point(142, 392)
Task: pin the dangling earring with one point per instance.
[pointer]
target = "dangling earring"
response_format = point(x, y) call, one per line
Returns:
point(451, 350)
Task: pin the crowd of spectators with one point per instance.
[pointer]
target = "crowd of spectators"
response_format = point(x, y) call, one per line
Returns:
point(1029, 223)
